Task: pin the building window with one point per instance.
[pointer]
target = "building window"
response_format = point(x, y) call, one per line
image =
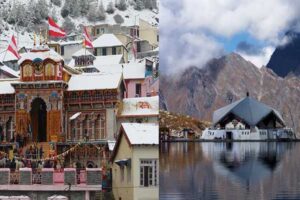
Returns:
point(128, 174)
point(138, 47)
point(103, 51)
point(98, 31)
point(138, 90)
point(100, 126)
point(62, 50)
point(148, 172)
point(114, 50)
point(102, 30)
point(122, 173)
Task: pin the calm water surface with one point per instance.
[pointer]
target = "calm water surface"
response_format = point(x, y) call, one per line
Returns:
point(233, 171)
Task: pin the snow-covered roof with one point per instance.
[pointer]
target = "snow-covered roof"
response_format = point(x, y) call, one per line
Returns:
point(108, 69)
point(6, 87)
point(62, 43)
point(248, 109)
point(134, 71)
point(142, 106)
point(94, 81)
point(141, 133)
point(41, 55)
point(9, 71)
point(107, 40)
point(108, 60)
point(82, 52)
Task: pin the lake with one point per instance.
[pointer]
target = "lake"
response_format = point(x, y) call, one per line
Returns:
point(233, 171)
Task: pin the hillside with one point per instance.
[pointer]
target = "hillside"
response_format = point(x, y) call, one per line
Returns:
point(178, 122)
point(201, 91)
point(23, 17)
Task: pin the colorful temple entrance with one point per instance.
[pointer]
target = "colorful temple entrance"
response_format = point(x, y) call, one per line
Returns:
point(38, 115)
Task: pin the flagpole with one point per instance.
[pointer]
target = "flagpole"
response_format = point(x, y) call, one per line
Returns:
point(4, 55)
point(5, 52)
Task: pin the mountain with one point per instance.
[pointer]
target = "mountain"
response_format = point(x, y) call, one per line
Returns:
point(286, 59)
point(200, 91)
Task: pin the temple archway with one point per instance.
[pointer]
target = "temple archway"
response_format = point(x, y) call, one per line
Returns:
point(38, 115)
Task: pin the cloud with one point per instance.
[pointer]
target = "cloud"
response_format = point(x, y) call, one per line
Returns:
point(260, 59)
point(189, 28)
point(248, 48)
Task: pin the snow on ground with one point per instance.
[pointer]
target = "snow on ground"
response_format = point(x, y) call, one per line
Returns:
point(131, 17)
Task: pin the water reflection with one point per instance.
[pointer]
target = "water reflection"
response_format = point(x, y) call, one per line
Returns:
point(254, 170)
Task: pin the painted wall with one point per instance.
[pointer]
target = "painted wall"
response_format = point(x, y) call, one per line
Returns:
point(146, 85)
point(69, 50)
point(122, 189)
point(111, 126)
point(149, 33)
point(144, 152)
point(119, 50)
point(130, 188)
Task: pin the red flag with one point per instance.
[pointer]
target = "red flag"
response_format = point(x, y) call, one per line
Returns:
point(87, 39)
point(12, 47)
point(54, 29)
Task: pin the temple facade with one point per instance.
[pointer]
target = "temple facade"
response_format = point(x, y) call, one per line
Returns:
point(53, 103)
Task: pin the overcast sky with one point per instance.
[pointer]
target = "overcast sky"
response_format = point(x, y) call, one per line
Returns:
point(194, 31)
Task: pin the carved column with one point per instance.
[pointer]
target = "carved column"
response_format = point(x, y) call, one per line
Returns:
point(4, 130)
point(11, 129)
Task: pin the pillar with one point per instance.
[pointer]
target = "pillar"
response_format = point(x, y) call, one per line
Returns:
point(4, 131)
point(93, 131)
point(81, 130)
point(11, 129)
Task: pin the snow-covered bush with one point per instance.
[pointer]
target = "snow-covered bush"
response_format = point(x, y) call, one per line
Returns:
point(68, 25)
point(118, 19)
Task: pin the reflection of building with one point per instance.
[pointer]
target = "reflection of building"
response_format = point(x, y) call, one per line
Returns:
point(247, 163)
point(247, 119)
point(135, 162)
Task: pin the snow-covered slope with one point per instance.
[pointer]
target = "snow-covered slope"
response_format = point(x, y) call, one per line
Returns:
point(25, 36)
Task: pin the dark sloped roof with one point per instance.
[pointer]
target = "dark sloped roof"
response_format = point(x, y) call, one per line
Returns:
point(248, 109)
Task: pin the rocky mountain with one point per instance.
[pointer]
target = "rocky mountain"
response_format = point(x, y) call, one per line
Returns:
point(198, 92)
point(286, 59)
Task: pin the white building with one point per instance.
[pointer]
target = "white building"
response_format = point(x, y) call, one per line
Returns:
point(247, 119)
point(135, 162)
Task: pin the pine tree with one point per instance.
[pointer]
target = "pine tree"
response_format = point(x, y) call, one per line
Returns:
point(96, 13)
point(56, 2)
point(68, 25)
point(84, 7)
point(121, 5)
point(110, 8)
point(139, 5)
